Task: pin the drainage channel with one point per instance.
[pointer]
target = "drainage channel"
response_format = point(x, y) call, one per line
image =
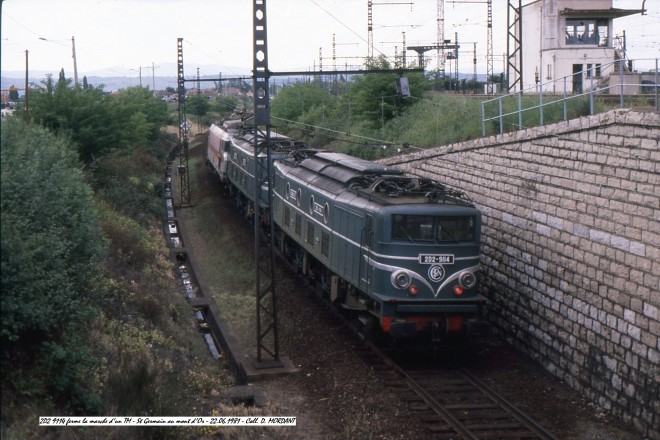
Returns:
point(191, 288)
point(217, 335)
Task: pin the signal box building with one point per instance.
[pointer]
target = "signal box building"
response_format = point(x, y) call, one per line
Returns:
point(568, 38)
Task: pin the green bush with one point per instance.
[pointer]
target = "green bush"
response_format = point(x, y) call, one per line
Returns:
point(52, 247)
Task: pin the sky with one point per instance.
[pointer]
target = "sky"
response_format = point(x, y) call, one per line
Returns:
point(120, 37)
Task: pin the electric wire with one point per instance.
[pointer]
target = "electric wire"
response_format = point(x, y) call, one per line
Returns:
point(343, 133)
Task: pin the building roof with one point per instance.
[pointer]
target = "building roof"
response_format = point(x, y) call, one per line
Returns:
point(599, 13)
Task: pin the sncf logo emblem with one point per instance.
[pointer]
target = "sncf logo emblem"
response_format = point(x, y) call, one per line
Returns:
point(436, 273)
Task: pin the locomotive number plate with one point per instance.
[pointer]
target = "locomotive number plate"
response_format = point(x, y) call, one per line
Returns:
point(435, 259)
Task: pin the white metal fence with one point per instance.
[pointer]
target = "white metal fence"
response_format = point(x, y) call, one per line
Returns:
point(619, 81)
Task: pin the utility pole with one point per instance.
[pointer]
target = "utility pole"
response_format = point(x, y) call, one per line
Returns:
point(440, 62)
point(26, 87)
point(474, 62)
point(153, 77)
point(321, 66)
point(456, 63)
point(199, 115)
point(75, 63)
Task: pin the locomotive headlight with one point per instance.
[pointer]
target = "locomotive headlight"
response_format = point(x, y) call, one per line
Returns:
point(401, 279)
point(467, 280)
point(413, 290)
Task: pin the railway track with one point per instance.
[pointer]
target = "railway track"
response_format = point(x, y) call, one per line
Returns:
point(454, 404)
point(451, 402)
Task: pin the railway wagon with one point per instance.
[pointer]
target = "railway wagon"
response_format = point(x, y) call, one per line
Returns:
point(230, 153)
point(219, 141)
point(402, 251)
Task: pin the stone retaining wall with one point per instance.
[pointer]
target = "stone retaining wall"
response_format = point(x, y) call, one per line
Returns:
point(571, 249)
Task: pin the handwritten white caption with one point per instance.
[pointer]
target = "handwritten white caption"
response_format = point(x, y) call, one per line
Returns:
point(167, 421)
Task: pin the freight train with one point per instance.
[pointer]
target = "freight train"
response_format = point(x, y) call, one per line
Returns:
point(399, 252)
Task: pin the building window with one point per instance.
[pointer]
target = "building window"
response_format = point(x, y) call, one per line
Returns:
point(595, 68)
point(298, 225)
point(584, 31)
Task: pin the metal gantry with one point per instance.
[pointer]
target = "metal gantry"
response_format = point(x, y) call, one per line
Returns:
point(445, 46)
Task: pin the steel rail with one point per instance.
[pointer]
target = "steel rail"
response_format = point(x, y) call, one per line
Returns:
point(452, 421)
point(500, 400)
point(463, 430)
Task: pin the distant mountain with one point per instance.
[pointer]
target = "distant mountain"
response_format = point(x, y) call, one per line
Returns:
point(110, 83)
point(115, 78)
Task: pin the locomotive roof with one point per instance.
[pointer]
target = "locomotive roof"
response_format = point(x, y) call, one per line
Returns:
point(343, 167)
point(338, 172)
point(278, 142)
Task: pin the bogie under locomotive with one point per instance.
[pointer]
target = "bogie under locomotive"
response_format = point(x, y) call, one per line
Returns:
point(398, 250)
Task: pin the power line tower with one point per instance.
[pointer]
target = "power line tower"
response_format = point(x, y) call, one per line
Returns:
point(182, 170)
point(370, 30)
point(370, 23)
point(514, 46)
point(267, 323)
point(489, 49)
point(489, 40)
point(440, 62)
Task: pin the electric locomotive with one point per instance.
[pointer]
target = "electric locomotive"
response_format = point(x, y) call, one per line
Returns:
point(230, 153)
point(398, 251)
point(401, 250)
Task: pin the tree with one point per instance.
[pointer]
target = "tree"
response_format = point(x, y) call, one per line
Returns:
point(374, 96)
point(96, 121)
point(52, 246)
point(292, 102)
point(197, 105)
point(225, 105)
point(124, 108)
point(13, 93)
point(62, 78)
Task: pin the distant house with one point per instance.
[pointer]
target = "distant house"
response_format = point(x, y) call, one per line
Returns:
point(568, 38)
point(168, 97)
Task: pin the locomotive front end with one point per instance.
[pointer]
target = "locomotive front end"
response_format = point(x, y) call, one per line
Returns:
point(424, 270)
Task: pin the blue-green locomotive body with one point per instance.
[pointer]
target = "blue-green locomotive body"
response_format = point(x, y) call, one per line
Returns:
point(400, 251)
